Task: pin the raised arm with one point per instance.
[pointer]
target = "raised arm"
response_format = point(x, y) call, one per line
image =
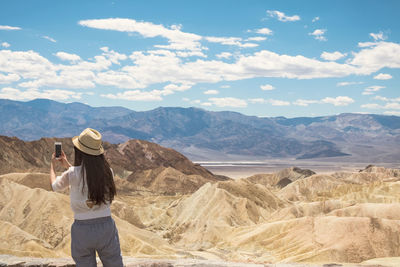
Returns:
point(52, 171)
point(64, 160)
point(63, 181)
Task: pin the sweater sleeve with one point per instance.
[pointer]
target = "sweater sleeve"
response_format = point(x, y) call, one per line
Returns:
point(62, 181)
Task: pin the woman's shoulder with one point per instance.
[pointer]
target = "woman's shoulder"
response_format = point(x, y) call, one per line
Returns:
point(74, 168)
point(74, 172)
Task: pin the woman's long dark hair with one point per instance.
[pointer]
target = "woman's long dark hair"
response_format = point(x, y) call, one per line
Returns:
point(99, 178)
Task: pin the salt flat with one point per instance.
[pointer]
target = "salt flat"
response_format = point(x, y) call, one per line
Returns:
point(241, 169)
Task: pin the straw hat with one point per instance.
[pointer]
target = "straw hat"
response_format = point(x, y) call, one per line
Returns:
point(89, 142)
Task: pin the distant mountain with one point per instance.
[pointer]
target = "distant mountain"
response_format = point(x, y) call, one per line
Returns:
point(206, 135)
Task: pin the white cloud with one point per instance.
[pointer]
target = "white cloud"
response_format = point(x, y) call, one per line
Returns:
point(391, 105)
point(118, 79)
point(27, 64)
point(29, 94)
point(211, 92)
point(256, 39)
point(367, 44)
point(177, 39)
point(264, 31)
point(171, 88)
point(248, 45)
point(267, 87)
point(332, 56)
point(136, 95)
point(371, 106)
point(281, 16)
point(257, 100)
point(348, 83)
point(167, 66)
point(113, 56)
point(305, 102)
point(230, 41)
point(74, 79)
point(9, 78)
point(338, 101)
point(394, 113)
point(374, 58)
point(68, 57)
point(382, 98)
point(315, 19)
point(158, 52)
point(224, 55)
point(319, 34)
point(378, 36)
point(224, 40)
point(228, 102)
point(154, 95)
point(190, 54)
point(49, 38)
point(98, 63)
point(9, 28)
point(269, 64)
point(371, 89)
point(225, 86)
point(276, 102)
point(273, 102)
point(5, 44)
point(38, 71)
point(206, 104)
point(386, 99)
point(383, 76)
point(367, 93)
point(175, 87)
point(260, 64)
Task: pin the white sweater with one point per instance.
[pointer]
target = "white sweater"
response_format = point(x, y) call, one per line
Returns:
point(73, 178)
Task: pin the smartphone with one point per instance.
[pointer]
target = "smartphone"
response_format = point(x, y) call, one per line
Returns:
point(57, 146)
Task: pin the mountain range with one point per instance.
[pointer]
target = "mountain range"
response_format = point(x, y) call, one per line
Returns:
point(206, 135)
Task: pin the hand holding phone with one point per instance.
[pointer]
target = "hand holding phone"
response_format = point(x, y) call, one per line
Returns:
point(57, 146)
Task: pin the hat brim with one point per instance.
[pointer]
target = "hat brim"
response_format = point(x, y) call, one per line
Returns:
point(87, 150)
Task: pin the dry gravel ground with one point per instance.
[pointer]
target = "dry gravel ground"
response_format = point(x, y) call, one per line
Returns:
point(8, 260)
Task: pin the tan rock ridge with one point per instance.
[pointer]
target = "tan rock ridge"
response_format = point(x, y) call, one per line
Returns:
point(282, 178)
point(19, 156)
point(146, 165)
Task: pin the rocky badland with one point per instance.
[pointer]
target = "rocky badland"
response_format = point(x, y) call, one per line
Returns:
point(169, 208)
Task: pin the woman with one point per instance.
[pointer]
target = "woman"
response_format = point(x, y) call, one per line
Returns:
point(92, 190)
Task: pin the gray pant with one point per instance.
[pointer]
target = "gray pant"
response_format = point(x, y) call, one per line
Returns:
point(89, 236)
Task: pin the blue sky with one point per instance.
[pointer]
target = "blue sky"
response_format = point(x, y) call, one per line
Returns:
point(263, 58)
